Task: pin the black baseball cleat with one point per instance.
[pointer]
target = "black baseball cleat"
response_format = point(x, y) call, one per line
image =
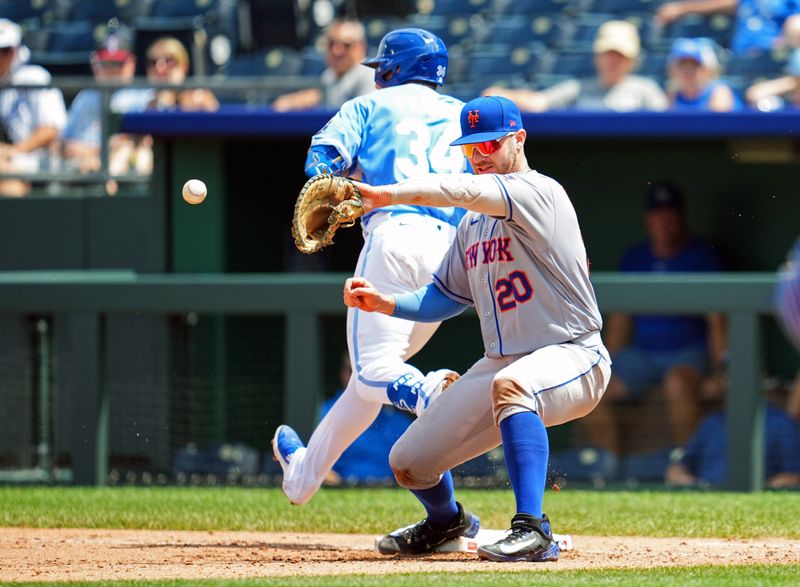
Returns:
point(424, 536)
point(530, 539)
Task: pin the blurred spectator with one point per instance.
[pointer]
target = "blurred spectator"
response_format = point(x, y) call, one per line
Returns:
point(30, 120)
point(793, 403)
point(704, 459)
point(344, 79)
point(616, 49)
point(778, 93)
point(787, 301)
point(366, 461)
point(790, 33)
point(168, 63)
point(673, 352)
point(758, 23)
point(113, 63)
point(693, 72)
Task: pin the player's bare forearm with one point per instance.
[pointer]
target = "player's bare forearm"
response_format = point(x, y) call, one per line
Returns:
point(672, 11)
point(362, 295)
point(41, 137)
point(478, 193)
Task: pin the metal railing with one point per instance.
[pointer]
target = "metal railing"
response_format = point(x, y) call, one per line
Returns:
point(250, 91)
point(303, 298)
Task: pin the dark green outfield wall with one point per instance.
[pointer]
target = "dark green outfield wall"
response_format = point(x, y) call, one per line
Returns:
point(750, 211)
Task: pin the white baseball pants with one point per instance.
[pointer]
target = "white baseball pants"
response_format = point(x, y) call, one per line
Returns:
point(400, 254)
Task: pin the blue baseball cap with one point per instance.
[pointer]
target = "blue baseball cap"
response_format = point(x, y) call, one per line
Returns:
point(488, 118)
point(663, 194)
point(697, 49)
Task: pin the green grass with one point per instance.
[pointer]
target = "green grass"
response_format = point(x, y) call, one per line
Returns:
point(645, 513)
point(752, 576)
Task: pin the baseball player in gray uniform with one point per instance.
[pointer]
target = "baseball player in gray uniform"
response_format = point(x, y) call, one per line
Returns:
point(519, 259)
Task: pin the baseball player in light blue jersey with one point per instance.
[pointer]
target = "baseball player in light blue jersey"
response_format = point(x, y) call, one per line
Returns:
point(401, 131)
point(519, 259)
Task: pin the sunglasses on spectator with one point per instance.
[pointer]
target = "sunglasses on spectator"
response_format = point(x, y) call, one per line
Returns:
point(485, 148)
point(111, 64)
point(168, 60)
point(6, 50)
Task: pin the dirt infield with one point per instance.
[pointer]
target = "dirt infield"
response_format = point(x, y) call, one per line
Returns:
point(76, 554)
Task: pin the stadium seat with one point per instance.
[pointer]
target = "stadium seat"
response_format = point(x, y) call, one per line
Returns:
point(273, 23)
point(579, 32)
point(647, 27)
point(35, 38)
point(718, 27)
point(95, 11)
point(377, 26)
point(217, 17)
point(72, 64)
point(457, 67)
point(63, 48)
point(453, 31)
point(276, 61)
point(528, 7)
point(755, 66)
point(577, 64)
point(465, 91)
point(504, 64)
point(173, 8)
point(100, 10)
point(619, 7)
point(21, 11)
point(369, 8)
point(541, 28)
point(653, 64)
point(313, 62)
point(453, 7)
point(65, 37)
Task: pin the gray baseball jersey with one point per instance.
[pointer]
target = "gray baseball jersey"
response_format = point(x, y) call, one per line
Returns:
point(526, 274)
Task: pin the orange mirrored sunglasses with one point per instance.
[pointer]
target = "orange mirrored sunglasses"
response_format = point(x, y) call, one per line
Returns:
point(485, 148)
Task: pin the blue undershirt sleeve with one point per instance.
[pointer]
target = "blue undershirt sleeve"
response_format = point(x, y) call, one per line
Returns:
point(324, 159)
point(427, 304)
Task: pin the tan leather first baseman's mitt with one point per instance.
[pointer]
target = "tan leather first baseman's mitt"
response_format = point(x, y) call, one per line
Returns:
point(325, 203)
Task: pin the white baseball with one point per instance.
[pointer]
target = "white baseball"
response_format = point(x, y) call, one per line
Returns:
point(194, 191)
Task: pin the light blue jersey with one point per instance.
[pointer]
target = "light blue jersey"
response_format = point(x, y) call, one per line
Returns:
point(395, 134)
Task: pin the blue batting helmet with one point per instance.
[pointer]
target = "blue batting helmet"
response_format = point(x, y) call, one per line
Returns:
point(409, 54)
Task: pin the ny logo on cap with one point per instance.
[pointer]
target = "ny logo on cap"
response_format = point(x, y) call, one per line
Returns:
point(473, 117)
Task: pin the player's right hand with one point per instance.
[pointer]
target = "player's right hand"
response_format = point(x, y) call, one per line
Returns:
point(373, 196)
point(362, 295)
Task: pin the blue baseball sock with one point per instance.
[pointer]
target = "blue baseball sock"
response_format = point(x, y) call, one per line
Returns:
point(526, 449)
point(439, 500)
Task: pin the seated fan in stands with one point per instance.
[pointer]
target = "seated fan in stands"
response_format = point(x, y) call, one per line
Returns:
point(112, 63)
point(31, 120)
point(344, 79)
point(615, 87)
point(168, 63)
point(693, 70)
